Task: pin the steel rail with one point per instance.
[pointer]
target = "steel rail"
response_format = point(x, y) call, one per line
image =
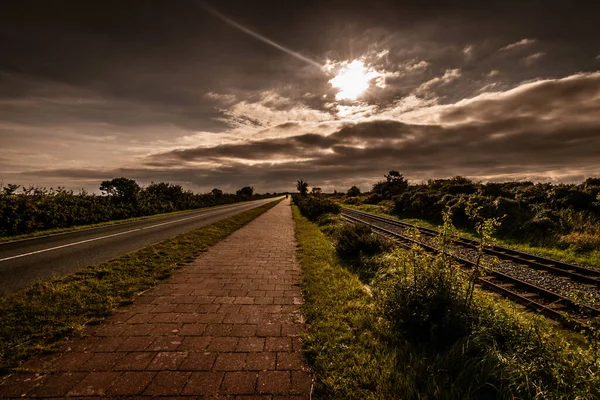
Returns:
point(574, 272)
point(533, 297)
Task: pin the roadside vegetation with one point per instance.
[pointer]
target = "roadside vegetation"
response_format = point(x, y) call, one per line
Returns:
point(26, 210)
point(399, 323)
point(561, 220)
point(38, 318)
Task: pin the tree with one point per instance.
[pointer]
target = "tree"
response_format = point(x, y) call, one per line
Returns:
point(246, 192)
point(120, 188)
point(166, 191)
point(316, 191)
point(353, 191)
point(394, 185)
point(10, 189)
point(218, 193)
point(302, 187)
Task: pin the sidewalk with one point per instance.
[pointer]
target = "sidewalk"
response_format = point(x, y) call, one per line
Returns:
point(227, 326)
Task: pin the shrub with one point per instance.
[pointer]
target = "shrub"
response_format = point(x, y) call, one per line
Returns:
point(313, 207)
point(355, 240)
point(374, 198)
point(353, 191)
point(580, 241)
point(423, 299)
point(25, 210)
point(353, 200)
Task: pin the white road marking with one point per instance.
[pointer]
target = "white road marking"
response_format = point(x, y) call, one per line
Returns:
point(107, 236)
point(66, 245)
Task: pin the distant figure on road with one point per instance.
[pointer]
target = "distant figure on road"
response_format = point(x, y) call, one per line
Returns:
point(286, 196)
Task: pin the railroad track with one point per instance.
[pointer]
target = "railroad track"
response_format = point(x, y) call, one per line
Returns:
point(532, 295)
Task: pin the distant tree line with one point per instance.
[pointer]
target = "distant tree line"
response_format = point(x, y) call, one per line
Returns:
point(30, 209)
point(564, 214)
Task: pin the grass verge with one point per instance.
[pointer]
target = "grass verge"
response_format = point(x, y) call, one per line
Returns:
point(342, 345)
point(590, 259)
point(407, 332)
point(38, 318)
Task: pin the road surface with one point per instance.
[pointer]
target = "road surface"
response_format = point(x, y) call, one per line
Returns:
point(23, 262)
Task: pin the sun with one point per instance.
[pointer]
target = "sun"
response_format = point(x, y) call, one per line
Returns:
point(352, 80)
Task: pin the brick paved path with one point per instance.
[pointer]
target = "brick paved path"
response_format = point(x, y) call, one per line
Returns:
point(225, 327)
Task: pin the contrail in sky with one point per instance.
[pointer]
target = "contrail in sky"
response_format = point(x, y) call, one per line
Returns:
point(258, 36)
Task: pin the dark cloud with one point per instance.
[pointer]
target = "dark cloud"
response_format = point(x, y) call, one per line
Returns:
point(514, 134)
point(164, 90)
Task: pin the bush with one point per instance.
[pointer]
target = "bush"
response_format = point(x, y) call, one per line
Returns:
point(26, 210)
point(374, 198)
point(313, 207)
point(353, 200)
point(355, 240)
point(580, 242)
point(423, 299)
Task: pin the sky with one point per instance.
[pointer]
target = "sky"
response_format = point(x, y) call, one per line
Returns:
point(264, 93)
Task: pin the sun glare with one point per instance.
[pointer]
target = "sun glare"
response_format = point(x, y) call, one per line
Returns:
point(352, 80)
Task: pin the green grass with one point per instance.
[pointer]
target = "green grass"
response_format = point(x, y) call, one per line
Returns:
point(38, 318)
point(101, 224)
point(590, 259)
point(357, 352)
point(343, 347)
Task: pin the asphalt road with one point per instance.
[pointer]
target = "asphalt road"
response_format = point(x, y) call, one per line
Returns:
point(23, 262)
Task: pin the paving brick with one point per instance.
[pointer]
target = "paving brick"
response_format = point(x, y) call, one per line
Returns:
point(131, 383)
point(235, 319)
point(139, 330)
point(166, 329)
point(19, 385)
point(291, 329)
point(274, 382)
point(57, 385)
point(102, 361)
point(167, 383)
point(251, 344)
point(135, 343)
point(164, 317)
point(185, 308)
point(229, 309)
point(111, 330)
point(100, 344)
point(94, 384)
point(203, 383)
point(119, 317)
point(230, 362)
point(301, 382)
point(165, 343)
point(192, 330)
point(198, 362)
point(208, 308)
point(167, 308)
point(223, 344)
point(290, 361)
point(211, 318)
point(218, 330)
point(239, 383)
point(167, 360)
point(244, 330)
point(137, 361)
point(278, 344)
point(268, 330)
point(73, 361)
point(195, 343)
point(140, 318)
point(261, 361)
